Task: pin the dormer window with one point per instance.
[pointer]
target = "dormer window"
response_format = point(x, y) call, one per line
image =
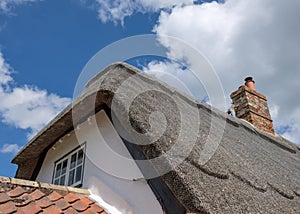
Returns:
point(68, 170)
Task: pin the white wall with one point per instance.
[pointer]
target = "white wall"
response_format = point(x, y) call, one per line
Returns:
point(108, 170)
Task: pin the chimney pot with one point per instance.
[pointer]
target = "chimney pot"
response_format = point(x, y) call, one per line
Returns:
point(249, 82)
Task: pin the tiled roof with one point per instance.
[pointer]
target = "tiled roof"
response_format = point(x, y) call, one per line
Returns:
point(29, 197)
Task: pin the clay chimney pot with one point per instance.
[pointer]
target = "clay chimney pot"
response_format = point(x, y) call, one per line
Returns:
point(249, 82)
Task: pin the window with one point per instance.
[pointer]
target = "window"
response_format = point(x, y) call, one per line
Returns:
point(68, 171)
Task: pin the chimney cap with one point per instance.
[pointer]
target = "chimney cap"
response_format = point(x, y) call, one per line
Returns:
point(249, 79)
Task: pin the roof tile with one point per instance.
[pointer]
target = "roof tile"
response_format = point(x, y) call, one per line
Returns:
point(96, 209)
point(23, 200)
point(88, 211)
point(70, 210)
point(71, 197)
point(8, 207)
point(54, 196)
point(62, 204)
point(81, 205)
point(52, 210)
point(4, 198)
point(31, 208)
point(16, 192)
point(37, 194)
point(87, 201)
point(28, 197)
point(44, 202)
point(19, 211)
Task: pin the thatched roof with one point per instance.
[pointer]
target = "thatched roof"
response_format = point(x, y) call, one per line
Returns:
point(250, 172)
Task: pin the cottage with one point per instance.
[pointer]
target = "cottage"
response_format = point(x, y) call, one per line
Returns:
point(89, 146)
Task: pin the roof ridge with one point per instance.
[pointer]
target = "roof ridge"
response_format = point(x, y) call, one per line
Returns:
point(276, 139)
point(39, 185)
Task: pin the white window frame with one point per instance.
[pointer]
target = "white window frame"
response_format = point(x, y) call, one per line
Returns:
point(68, 170)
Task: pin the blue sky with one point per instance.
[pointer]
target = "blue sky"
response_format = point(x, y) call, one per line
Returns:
point(45, 44)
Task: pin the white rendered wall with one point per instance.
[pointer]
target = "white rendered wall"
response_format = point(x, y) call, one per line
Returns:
point(125, 195)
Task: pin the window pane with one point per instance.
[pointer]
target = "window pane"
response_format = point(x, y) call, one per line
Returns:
point(64, 167)
point(58, 170)
point(80, 157)
point(69, 170)
point(73, 161)
point(78, 173)
point(71, 177)
point(56, 181)
point(62, 180)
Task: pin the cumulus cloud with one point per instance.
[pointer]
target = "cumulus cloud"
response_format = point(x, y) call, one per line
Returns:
point(7, 5)
point(10, 148)
point(26, 107)
point(260, 38)
point(177, 76)
point(119, 9)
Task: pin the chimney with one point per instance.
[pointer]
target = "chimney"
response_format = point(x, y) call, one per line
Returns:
point(252, 106)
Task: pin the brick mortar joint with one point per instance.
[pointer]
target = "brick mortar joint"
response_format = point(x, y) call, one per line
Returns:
point(257, 129)
point(249, 110)
point(246, 89)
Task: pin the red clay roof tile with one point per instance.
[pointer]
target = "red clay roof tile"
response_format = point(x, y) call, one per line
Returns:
point(37, 194)
point(23, 200)
point(71, 197)
point(70, 210)
point(54, 196)
point(96, 209)
point(23, 197)
point(81, 205)
point(4, 198)
point(88, 211)
point(52, 210)
point(44, 202)
point(16, 192)
point(87, 201)
point(31, 208)
point(62, 204)
point(8, 207)
point(19, 211)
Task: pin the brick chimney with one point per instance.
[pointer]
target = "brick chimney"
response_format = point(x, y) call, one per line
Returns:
point(252, 106)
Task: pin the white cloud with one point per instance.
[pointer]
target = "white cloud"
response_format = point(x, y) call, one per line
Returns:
point(119, 9)
point(10, 148)
point(7, 5)
point(5, 71)
point(289, 127)
point(260, 38)
point(177, 76)
point(274, 110)
point(26, 107)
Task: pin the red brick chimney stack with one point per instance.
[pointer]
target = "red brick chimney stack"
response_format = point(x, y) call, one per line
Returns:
point(252, 106)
